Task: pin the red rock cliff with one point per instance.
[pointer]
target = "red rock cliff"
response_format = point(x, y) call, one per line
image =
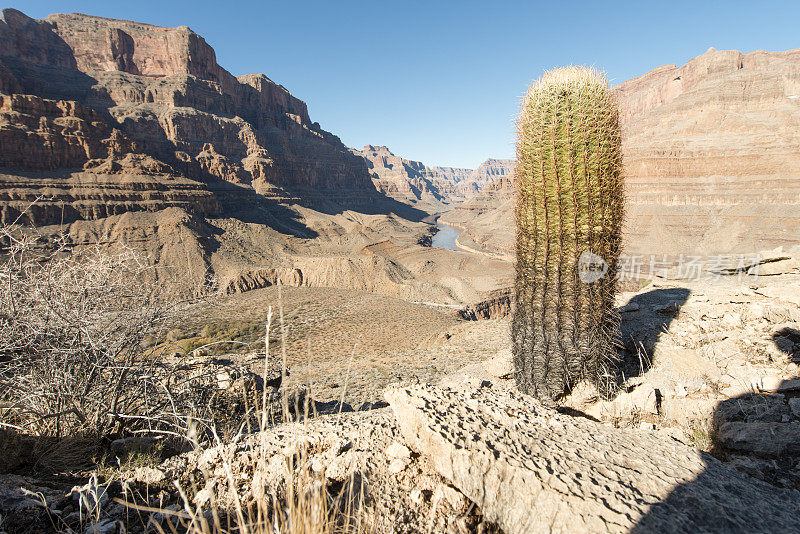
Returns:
point(160, 91)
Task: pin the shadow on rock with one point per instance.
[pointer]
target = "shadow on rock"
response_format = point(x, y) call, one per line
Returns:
point(788, 341)
point(643, 320)
point(758, 434)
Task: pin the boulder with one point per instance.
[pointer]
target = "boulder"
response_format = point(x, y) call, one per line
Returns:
point(531, 469)
point(763, 438)
point(794, 406)
point(775, 267)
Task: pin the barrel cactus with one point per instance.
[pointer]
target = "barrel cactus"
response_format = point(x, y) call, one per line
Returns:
point(569, 214)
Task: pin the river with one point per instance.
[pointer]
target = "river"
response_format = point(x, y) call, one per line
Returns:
point(445, 237)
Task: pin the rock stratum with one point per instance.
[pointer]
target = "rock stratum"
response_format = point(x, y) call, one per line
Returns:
point(712, 159)
point(433, 187)
point(712, 153)
point(103, 116)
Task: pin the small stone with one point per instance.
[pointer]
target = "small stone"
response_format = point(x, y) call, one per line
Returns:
point(397, 450)
point(148, 475)
point(769, 384)
point(416, 496)
point(750, 466)
point(644, 399)
point(668, 309)
point(789, 385)
point(104, 526)
point(630, 307)
point(644, 425)
point(454, 497)
point(776, 267)
point(397, 465)
point(794, 405)
point(93, 496)
point(224, 380)
point(731, 320)
point(317, 466)
point(761, 437)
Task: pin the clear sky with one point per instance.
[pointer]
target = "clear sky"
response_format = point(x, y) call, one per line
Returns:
point(440, 82)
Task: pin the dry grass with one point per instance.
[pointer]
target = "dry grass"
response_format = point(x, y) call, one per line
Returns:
point(303, 503)
point(76, 359)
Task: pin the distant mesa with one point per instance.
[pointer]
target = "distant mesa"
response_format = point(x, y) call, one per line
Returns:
point(435, 187)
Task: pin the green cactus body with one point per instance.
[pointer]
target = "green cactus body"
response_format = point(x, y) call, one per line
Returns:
point(570, 198)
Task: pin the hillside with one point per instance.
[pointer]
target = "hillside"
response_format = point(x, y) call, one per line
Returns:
point(433, 188)
point(115, 102)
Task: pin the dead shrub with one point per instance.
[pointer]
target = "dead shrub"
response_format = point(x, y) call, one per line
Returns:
point(73, 332)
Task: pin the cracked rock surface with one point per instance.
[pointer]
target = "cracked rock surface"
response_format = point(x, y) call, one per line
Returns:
point(531, 469)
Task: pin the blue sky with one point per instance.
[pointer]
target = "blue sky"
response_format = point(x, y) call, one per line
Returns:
point(440, 82)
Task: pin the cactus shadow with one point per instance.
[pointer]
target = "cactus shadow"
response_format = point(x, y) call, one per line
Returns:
point(751, 465)
point(788, 341)
point(643, 321)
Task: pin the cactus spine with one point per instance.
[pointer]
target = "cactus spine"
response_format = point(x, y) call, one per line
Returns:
point(569, 205)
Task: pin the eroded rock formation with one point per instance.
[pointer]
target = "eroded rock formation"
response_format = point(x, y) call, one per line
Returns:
point(712, 153)
point(436, 186)
point(531, 469)
point(412, 181)
point(105, 89)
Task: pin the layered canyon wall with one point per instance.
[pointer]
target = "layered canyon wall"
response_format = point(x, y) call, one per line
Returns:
point(434, 187)
point(712, 160)
point(110, 104)
point(712, 154)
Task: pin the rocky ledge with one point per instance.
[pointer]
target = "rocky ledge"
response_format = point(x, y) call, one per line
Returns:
point(701, 435)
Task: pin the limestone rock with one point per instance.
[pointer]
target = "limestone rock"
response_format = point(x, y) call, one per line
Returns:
point(771, 384)
point(772, 268)
point(413, 181)
point(761, 437)
point(495, 306)
point(794, 406)
point(630, 307)
point(533, 470)
point(644, 399)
